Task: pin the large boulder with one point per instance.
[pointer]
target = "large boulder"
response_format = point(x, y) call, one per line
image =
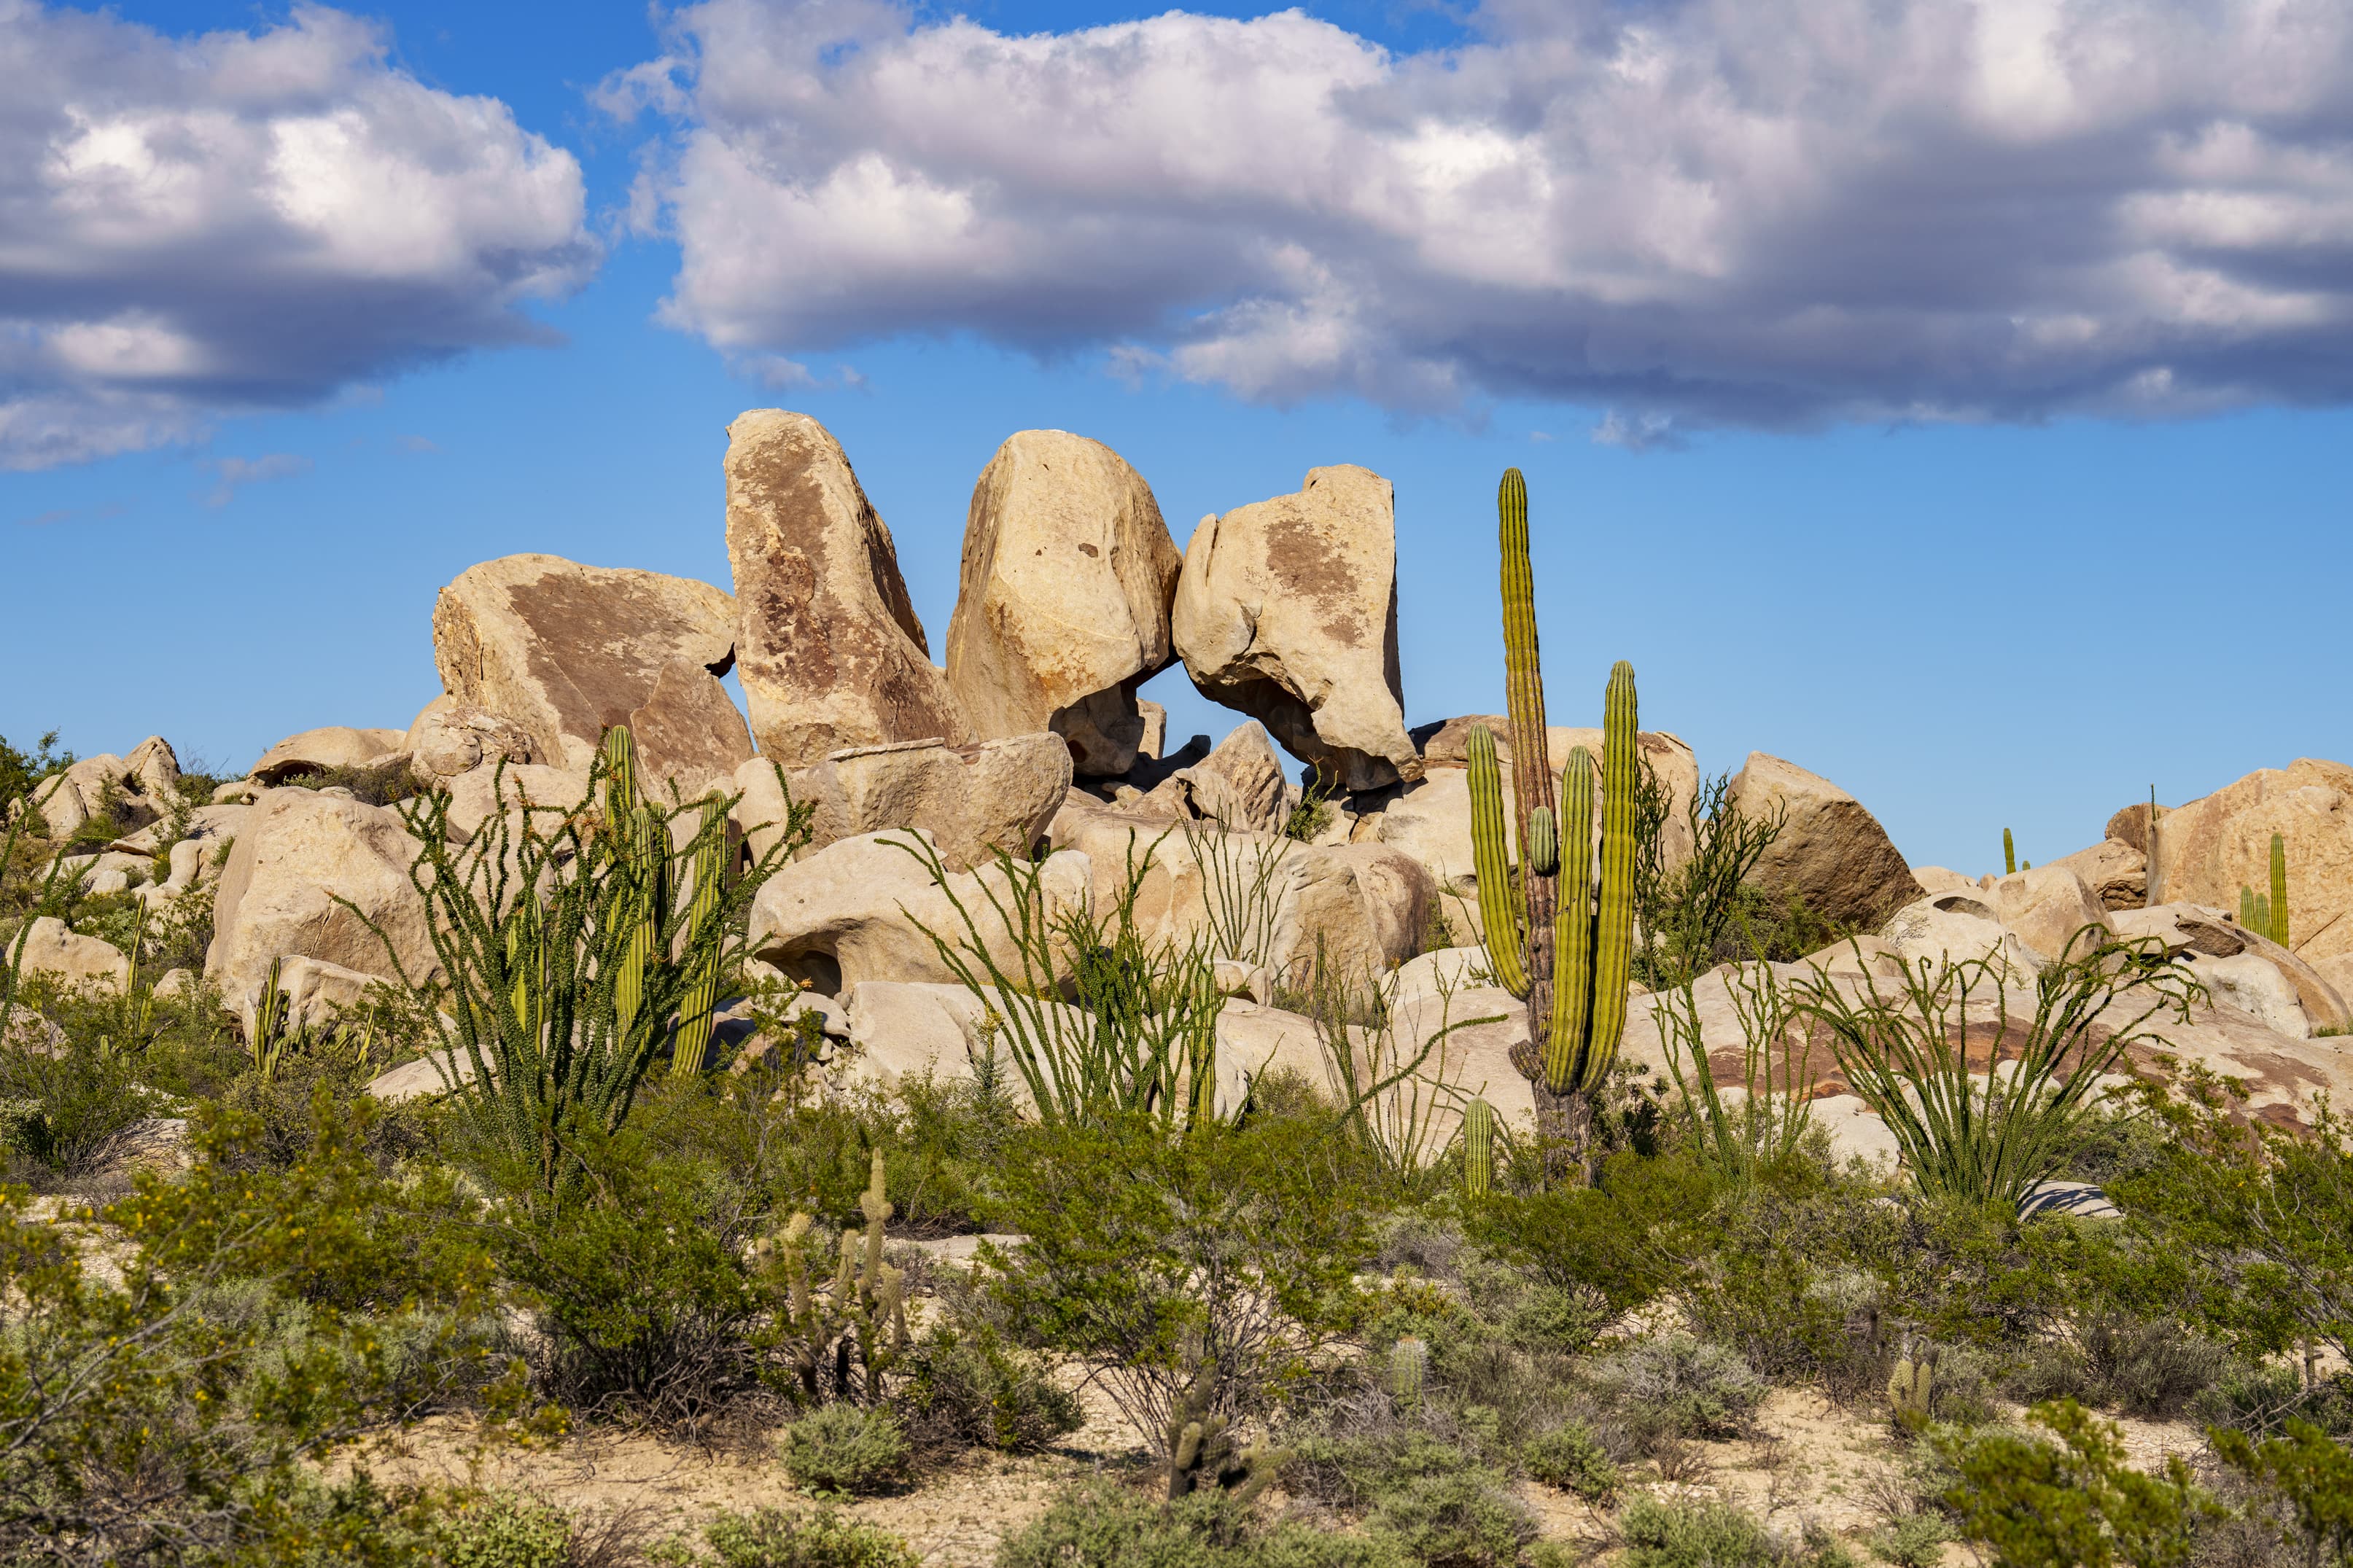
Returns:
point(1287, 610)
point(516, 789)
point(972, 801)
point(832, 655)
point(51, 948)
point(858, 911)
point(1831, 852)
point(335, 746)
point(451, 738)
point(1063, 607)
point(1961, 928)
point(689, 736)
point(2205, 938)
point(567, 651)
point(139, 787)
point(1240, 786)
point(298, 854)
point(2117, 873)
point(2209, 849)
point(2047, 907)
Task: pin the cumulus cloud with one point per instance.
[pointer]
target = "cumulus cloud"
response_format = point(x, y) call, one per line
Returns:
point(1687, 212)
point(246, 220)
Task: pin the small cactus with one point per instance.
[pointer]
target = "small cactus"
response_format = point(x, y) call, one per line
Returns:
point(1202, 1452)
point(2008, 854)
point(1478, 1148)
point(1408, 1361)
point(1544, 843)
point(2275, 927)
point(692, 1041)
point(1911, 1386)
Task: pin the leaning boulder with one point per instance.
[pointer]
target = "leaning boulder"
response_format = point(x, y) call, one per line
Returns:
point(1286, 609)
point(832, 655)
point(1240, 786)
point(300, 858)
point(2211, 847)
point(972, 801)
point(566, 651)
point(335, 746)
point(2117, 873)
point(858, 911)
point(2204, 936)
point(1062, 609)
point(690, 735)
point(1831, 852)
point(2049, 907)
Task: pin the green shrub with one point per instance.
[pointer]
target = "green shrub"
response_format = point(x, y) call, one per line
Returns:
point(1689, 1387)
point(1708, 1534)
point(1463, 1519)
point(2044, 1504)
point(500, 1529)
point(846, 1448)
point(1573, 1459)
point(1160, 1256)
point(1353, 1473)
point(971, 1390)
point(1627, 1237)
point(1102, 1525)
point(774, 1538)
point(1915, 1540)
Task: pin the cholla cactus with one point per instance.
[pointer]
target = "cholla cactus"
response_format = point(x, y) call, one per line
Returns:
point(857, 1328)
point(1911, 1385)
point(1202, 1452)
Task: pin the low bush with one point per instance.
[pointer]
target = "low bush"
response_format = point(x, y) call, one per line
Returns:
point(846, 1448)
point(774, 1538)
point(500, 1530)
point(969, 1389)
point(1707, 1533)
point(1467, 1518)
point(1572, 1459)
point(1103, 1525)
point(1683, 1387)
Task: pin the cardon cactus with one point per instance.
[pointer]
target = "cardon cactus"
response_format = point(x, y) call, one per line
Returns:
point(2275, 927)
point(645, 844)
point(1478, 1148)
point(692, 1042)
point(2009, 853)
point(1409, 1364)
point(1562, 938)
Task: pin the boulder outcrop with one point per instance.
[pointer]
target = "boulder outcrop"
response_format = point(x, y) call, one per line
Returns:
point(2209, 849)
point(972, 800)
point(831, 653)
point(2047, 907)
point(333, 746)
point(140, 787)
point(2117, 873)
point(1286, 609)
point(1831, 852)
point(451, 738)
point(51, 948)
point(566, 651)
point(689, 736)
point(1240, 786)
point(298, 852)
point(1062, 606)
point(2204, 936)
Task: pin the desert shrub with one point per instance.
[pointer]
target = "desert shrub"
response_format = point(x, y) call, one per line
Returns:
point(969, 1389)
point(846, 1448)
point(372, 784)
point(1162, 1257)
point(774, 1538)
point(1914, 1540)
point(1354, 1472)
point(73, 1102)
point(1573, 1459)
point(501, 1529)
point(1626, 1237)
point(2148, 1368)
point(2044, 1504)
point(1102, 1525)
point(1707, 1533)
point(1687, 1387)
point(20, 770)
point(2307, 1480)
point(1465, 1520)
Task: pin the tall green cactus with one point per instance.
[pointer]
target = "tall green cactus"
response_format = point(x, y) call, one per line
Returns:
point(692, 1042)
point(1563, 939)
point(2008, 854)
point(2276, 927)
point(1478, 1148)
point(2247, 910)
point(645, 845)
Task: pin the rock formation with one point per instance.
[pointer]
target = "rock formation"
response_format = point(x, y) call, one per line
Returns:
point(832, 655)
point(1287, 610)
point(298, 852)
point(566, 651)
point(972, 800)
point(1831, 852)
point(451, 738)
point(1062, 606)
point(319, 750)
point(2209, 849)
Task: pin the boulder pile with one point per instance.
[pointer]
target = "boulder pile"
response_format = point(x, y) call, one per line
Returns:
point(1031, 741)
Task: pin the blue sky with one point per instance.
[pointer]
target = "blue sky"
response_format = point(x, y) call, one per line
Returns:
point(1943, 445)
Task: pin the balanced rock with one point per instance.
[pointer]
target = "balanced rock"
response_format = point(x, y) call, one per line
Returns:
point(1238, 785)
point(298, 854)
point(2211, 847)
point(566, 651)
point(859, 910)
point(1286, 609)
point(970, 801)
point(1063, 607)
point(831, 654)
point(332, 747)
point(1831, 852)
point(451, 738)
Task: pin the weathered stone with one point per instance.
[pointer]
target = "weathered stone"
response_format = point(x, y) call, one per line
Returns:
point(1287, 610)
point(832, 655)
point(153, 763)
point(2195, 932)
point(971, 799)
point(902, 1030)
point(140, 787)
point(2048, 907)
point(1155, 731)
point(319, 750)
point(433, 1074)
point(1446, 748)
point(1831, 852)
point(1240, 786)
point(1360, 908)
point(567, 651)
point(451, 738)
point(2117, 873)
point(492, 787)
point(689, 736)
point(1960, 928)
point(1063, 607)
point(318, 994)
point(69, 956)
point(1942, 879)
point(298, 852)
point(2209, 849)
point(855, 911)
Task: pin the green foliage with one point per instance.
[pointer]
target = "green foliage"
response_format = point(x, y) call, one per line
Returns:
point(1626, 1235)
point(1988, 1136)
point(1775, 1112)
point(1309, 818)
point(969, 1389)
point(1573, 1459)
point(2310, 1473)
point(568, 949)
point(1465, 1520)
point(2008, 854)
point(1705, 911)
point(1102, 1020)
point(846, 1448)
point(2275, 926)
point(370, 783)
point(1914, 1540)
point(500, 1530)
point(1103, 1525)
point(2075, 1503)
point(774, 1538)
point(1690, 1387)
point(1478, 1149)
point(1708, 1534)
point(1156, 1256)
point(21, 770)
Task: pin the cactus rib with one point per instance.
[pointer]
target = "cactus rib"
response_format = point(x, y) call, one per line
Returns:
point(1499, 913)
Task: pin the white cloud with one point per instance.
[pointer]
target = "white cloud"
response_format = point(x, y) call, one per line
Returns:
point(190, 227)
point(235, 473)
point(1707, 211)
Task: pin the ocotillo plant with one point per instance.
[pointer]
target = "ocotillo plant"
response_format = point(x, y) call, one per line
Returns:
point(2008, 854)
point(2275, 928)
point(1562, 939)
point(1478, 1148)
